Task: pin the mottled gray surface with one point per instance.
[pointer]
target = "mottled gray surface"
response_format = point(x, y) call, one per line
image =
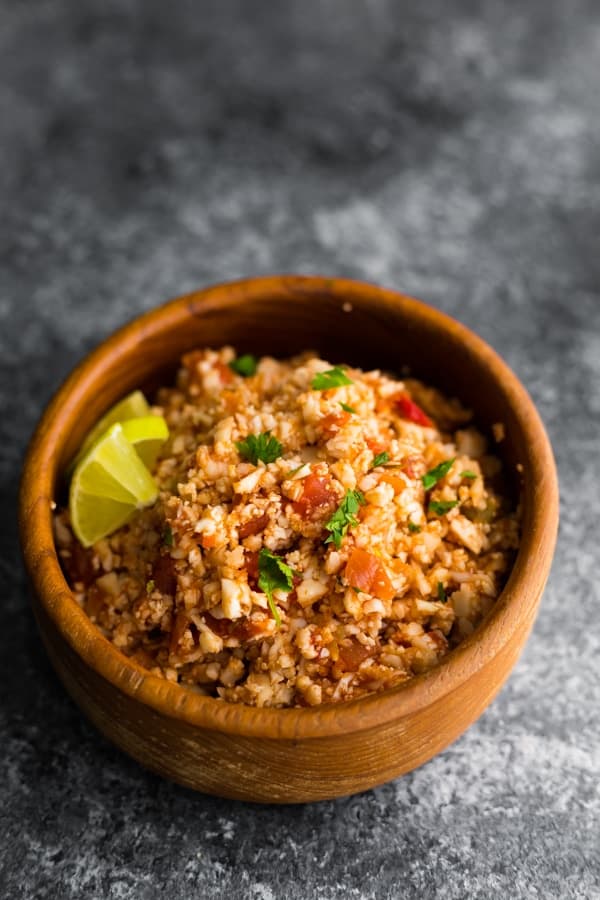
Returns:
point(447, 148)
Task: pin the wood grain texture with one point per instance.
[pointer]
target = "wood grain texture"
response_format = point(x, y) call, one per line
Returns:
point(299, 754)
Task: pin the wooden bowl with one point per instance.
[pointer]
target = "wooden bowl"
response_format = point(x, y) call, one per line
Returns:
point(290, 755)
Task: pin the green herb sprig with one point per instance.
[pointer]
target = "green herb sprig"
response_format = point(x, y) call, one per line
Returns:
point(263, 447)
point(273, 575)
point(380, 459)
point(414, 528)
point(244, 365)
point(469, 475)
point(332, 378)
point(440, 507)
point(441, 593)
point(344, 517)
point(168, 536)
point(346, 408)
point(432, 477)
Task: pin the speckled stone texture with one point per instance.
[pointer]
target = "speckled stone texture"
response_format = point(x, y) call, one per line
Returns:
point(450, 149)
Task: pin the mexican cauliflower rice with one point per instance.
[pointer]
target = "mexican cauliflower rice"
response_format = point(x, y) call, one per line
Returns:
point(320, 533)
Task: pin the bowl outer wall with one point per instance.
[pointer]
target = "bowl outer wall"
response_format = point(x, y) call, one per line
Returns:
point(273, 314)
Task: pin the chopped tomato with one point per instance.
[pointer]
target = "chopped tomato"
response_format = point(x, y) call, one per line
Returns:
point(317, 498)
point(352, 653)
point(367, 573)
point(225, 373)
point(375, 445)
point(164, 575)
point(413, 466)
point(395, 481)
point(254, 526)
point(410, 410)
point(331, 424)
point(208, 541)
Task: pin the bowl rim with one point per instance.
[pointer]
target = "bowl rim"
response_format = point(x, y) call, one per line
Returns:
point(516, 602)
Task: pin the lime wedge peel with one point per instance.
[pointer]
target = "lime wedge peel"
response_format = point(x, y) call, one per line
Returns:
point(132, 406)
point(109, 483)
point(147, 434)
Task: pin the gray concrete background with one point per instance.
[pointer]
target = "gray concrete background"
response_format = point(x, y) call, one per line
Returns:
point(450, 149)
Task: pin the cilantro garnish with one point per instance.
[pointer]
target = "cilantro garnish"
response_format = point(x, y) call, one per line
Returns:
point(439, 507)
point(273, 575)
point(244, 365)
point(434, 475)
point(380, 459)
point(414, 528)
point(441, 592)
point(150, 586)
point(347, 408)
point(263, 447)
point(344, 517)
point(469, 474)
point(332, 378)
point(168, 536)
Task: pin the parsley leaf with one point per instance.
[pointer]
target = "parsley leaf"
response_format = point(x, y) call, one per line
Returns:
point(441, 592)
point(439, 507)
point(150, 586)
point(469, 474)
point(332, 378)
point(263, 447)
point(434, 475)
point(414, 528)
point(244, 365)
point(344, 517)
point(347, 408)
point(380, 459)
point(168, 536)
point(273, 575)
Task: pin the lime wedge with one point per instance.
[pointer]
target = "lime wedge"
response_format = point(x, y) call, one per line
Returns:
point(147, 434)
point(109, 483)
point(132, 406)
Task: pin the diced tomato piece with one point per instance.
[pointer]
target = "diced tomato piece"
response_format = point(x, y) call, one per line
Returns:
point(318, 497)
point(367, 573)
point(414, 466)
point(164, 575)
point(410, 410)
point(331, 424)
point(254, 526)
point(352, 654)
point(225, 373)
point(208, 541)
point(395, 481)
point(375, 445)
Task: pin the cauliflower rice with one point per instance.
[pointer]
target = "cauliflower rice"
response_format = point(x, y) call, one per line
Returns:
point(387, 531)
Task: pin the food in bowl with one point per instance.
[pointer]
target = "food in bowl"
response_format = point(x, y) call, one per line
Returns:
point(320, 533)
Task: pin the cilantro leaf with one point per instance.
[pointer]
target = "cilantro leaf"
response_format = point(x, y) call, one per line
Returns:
point(434, 475)
point(414, 528)
point(332, 378)
point(244, 365)
point(468, 474)
point(273, 575)
point(439, 507)
point(263, 447)
point(441, 593)
point(347, 408)
point(168, 536)
point(150, 585)
point(380, 459)
point(344, 517)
